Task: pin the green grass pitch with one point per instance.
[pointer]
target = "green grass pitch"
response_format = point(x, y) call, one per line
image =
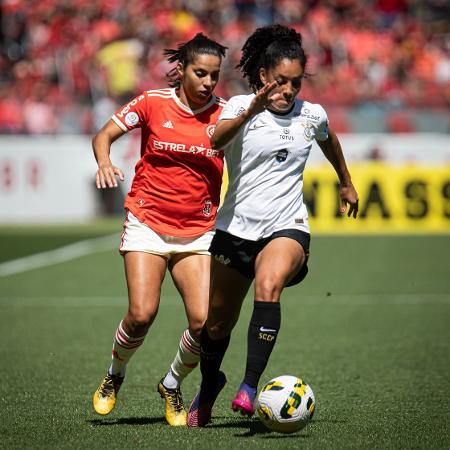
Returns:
point(369, 330)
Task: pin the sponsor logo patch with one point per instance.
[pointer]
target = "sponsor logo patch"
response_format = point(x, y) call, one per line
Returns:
point(197, 149)
point(257, 125)
point(127, 108)
point(281, 155)
point(131, 119)
point(222, 259)
point(267, 330)
point(286, 135)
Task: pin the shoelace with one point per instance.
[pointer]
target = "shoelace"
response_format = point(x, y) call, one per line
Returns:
point(175, 399)
point(107, 386)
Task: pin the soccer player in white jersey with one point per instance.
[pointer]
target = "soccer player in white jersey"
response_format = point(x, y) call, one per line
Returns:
point(262, 230)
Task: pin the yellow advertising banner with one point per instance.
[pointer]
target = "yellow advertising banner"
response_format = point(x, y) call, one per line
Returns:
point(393, 199)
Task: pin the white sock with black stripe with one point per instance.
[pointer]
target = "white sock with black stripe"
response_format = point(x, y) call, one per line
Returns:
point(187, 358)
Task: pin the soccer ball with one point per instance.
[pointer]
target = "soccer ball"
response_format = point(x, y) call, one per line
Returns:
point(285, 404)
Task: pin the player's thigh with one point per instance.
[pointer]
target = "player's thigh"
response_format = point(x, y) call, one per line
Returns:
point(275, 265)
point(191, 275)
point(144, 273)
point(228, 290)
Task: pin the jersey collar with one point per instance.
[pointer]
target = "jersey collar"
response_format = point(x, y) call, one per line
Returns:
point(189, 110)
point(283, 114)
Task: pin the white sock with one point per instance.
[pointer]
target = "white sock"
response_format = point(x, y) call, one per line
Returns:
point(124, 347)
point(187, 358)
point(171, 380)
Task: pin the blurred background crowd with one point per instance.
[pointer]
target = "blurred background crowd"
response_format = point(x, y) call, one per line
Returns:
point(375, 65)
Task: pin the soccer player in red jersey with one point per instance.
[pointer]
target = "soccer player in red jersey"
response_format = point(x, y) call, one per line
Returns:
point(170, 211)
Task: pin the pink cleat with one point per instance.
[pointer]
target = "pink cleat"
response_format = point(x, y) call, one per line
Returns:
point(243, 402)
point(201, 406)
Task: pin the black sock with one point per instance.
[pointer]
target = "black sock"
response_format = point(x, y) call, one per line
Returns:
point(262, 334)
point(211, 356)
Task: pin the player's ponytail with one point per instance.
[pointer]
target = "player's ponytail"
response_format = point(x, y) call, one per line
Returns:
point(266, 47)
point(186, 53)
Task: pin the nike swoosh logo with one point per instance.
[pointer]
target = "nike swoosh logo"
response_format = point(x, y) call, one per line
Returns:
point(256, 126)
point(267, 330)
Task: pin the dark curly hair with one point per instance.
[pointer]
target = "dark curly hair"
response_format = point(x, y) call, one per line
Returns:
point(265, 48)
point(186, 53)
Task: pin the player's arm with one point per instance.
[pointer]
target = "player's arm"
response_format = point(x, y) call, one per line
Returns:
point(332, 149)
point(226, 129)
point(101, 144)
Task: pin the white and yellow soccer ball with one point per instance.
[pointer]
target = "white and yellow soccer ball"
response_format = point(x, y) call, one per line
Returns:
point(286, 404)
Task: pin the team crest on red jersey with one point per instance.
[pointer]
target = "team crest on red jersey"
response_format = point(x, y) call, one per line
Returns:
point(207, 208)
point(210, 130)
point(131, 119)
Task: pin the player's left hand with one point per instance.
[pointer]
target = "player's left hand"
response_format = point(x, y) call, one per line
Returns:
point(349, 198)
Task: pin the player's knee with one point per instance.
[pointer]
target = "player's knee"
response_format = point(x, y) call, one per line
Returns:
point(195, 329)
point(268, 287)
point(196, 322)
point(219, 329)
point(140, 319)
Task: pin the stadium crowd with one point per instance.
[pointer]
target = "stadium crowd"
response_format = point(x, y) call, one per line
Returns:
point(65, 66)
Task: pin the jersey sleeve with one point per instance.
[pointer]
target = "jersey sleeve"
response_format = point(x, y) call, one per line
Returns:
point(322, 126)
point(134, 114)
point(234, 107)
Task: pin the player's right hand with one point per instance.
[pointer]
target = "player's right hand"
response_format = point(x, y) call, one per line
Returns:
point(106, 176)
point(264, 98)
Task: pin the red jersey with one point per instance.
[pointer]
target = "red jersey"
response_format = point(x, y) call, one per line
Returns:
point(176, 187)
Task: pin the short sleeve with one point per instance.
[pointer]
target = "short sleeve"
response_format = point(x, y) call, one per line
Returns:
point(322, 126)
point(234, 107)
point(132, 115)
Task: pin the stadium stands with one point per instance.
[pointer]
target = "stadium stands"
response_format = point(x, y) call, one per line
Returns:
point(400, 122)
point(429, 121)
point(367, 120)
point(64, 63)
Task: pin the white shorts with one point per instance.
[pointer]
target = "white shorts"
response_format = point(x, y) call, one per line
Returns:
point(139, 237)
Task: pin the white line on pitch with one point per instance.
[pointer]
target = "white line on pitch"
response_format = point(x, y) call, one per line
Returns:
point(59, 255)
point(428, 299)
point(114, 300)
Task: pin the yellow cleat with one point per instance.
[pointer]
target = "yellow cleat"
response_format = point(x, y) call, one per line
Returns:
point(175, 414)
point(105, 396)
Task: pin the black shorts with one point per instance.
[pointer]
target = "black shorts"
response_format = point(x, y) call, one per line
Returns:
point(240, 254)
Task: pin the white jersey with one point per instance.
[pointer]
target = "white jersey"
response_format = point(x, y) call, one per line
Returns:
point(265, 163)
